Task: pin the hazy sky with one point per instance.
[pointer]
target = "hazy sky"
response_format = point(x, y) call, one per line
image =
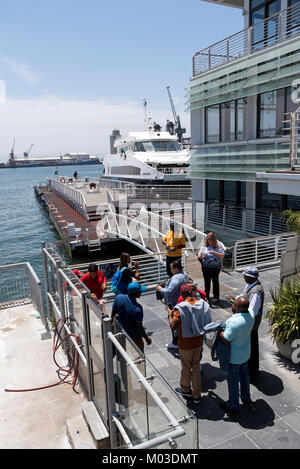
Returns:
point(76, 69)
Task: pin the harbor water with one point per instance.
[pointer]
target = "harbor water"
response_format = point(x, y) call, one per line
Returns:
point(24, 221)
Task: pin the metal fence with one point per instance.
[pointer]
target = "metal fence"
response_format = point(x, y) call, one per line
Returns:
point(266, 250)
point(277, 28)
point(70, 194)
point(246, 220)
point(19, 284)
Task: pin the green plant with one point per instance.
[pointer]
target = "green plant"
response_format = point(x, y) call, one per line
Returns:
point(284, 314)
point(292, 220)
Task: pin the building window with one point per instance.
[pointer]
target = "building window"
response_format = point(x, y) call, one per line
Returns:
point(267, 105)
point(265, 33)
point(212, 190)
point(226, 122)
point(272, 111)
point(212, 118)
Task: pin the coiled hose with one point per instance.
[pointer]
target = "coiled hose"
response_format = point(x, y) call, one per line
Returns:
point(73, 366)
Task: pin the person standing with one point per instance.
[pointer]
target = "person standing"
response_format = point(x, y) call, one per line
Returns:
point(75, 175)
point(175, 243)
point(95, 281)
point(189, 318)
point(130, 314)
point(211, 255)
point(171, 292)
point(255, 293)
point(237, 332)
point(125, 274)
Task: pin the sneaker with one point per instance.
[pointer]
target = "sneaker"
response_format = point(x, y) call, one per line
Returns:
point(185, 395)
point(172, 346)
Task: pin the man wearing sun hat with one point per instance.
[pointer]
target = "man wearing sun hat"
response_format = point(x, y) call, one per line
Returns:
point(254, 292)
point(130, 314)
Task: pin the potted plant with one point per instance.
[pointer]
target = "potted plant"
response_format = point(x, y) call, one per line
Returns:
point(284, 315)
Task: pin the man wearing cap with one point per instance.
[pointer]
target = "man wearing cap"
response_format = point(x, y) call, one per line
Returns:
point(254, 292)
point(189, 318)
point(130, 314)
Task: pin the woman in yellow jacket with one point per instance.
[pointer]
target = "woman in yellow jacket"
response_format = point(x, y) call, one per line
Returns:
point(175, 242)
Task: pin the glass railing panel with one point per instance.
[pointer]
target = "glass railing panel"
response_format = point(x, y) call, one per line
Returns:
point(131, 398)
point(96, 350)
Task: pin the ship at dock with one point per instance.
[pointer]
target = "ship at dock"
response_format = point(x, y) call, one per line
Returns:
point(36, 161)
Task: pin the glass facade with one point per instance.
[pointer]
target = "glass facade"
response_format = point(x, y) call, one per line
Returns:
point(272, 108)
point(226, 122)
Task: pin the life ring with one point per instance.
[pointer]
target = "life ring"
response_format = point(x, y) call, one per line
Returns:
point(62, 180)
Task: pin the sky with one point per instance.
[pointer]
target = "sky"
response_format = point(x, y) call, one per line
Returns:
point(74, 70)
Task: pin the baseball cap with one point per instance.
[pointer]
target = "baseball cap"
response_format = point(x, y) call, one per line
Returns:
point(77, 272)
point(251, 271)
point(135, 287)
point(186, 289)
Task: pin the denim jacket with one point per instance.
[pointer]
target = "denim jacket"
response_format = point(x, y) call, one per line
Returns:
point(219, 350)
point(171, 292)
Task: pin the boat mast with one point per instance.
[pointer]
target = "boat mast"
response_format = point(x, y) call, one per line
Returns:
point(147, 119)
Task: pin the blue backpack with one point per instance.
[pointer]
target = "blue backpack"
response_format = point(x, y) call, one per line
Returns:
point(118, 286)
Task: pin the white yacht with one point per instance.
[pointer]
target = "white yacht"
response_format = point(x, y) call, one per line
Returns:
point(147, 156)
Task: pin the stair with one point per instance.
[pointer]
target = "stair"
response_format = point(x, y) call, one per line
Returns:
point(87, 431)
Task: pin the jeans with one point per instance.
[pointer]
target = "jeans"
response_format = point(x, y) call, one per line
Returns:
point(238, 374)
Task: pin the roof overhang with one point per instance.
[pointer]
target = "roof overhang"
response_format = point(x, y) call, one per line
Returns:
point(229, 3)
point(282, 182)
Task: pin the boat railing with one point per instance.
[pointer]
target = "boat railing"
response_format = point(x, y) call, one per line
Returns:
point(19, 285)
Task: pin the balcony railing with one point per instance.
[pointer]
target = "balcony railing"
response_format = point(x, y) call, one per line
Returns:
point(273, 30)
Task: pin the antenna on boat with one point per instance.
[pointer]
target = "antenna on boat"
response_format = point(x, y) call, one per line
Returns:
point(147, 118)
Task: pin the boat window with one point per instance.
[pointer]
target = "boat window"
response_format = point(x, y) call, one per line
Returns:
point(157, 145)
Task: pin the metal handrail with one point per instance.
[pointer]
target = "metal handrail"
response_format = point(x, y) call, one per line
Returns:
point(276, 28)
point(34, 288)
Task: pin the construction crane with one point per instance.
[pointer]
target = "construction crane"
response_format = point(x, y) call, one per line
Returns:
point(26, 153)
point(11, 160)
point(178, 129)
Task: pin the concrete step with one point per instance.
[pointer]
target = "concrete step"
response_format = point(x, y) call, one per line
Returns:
point(78, 433)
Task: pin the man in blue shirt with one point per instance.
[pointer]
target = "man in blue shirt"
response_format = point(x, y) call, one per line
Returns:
point(237, 333)
point(130, 314)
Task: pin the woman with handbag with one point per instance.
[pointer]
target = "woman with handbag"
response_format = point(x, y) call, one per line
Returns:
point(211, 255)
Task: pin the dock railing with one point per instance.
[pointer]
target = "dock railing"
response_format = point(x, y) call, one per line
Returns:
point(71, 195)
point(273, 30)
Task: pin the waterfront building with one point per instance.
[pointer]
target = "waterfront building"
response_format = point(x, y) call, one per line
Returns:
point(241, 92)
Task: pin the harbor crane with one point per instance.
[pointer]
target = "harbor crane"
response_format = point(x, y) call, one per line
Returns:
point(26, 153)
point(178, 129)
point(11, 160)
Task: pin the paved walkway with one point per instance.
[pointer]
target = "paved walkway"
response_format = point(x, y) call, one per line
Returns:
point(274, 420)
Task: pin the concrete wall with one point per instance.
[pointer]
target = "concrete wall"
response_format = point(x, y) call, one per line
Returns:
point(290, 260)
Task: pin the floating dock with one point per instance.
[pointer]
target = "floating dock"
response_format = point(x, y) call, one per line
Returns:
point(75, 210)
